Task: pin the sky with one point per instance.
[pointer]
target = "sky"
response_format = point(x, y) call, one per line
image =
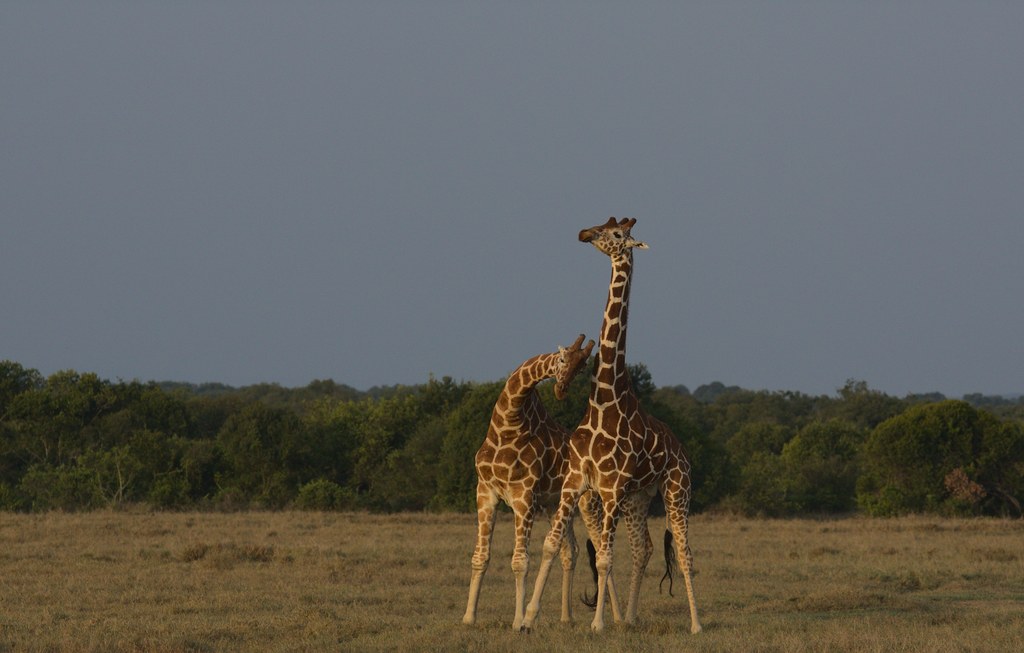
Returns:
point(379, 192)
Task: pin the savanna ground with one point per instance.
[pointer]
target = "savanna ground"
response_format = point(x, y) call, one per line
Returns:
point(292, 581)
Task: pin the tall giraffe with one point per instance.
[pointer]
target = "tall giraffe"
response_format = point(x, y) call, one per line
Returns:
point(619, 451)
point(522, 461)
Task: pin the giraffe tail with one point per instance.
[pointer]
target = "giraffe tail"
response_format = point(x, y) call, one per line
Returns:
point(670, 561)
point(588, 600)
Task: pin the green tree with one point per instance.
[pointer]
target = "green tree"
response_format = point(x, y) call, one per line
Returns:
point(863, 407)
point(711, 474)
point(910, 461)
point(114, 473)
point(322, 494)
point(757, 438)
point(263, 449)
point(58, 422)
point(710, 392)
point(760, 485)
point(999, 468)
point(820, 466)
point(465, 429)
point(333, 429)
point(408, 479)
point(14, 380)
point(385, 427)
point(761, 489)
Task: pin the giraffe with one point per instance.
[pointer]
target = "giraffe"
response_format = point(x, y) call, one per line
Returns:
point(619, 451)
point(522, 461)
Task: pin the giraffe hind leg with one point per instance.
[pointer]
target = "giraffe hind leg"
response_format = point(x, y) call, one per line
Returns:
point(677, 504)
point(524, 514)
point(568, 555)
point(590, 511)
point(640, 545)
point(486, 502)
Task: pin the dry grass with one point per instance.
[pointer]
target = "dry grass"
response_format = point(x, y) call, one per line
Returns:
point(354, 582)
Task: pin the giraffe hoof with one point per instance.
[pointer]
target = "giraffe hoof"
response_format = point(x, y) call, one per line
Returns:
point(525, 630)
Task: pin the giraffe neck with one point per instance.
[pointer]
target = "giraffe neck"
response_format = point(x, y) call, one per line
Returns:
point(518, 395)
point(611, 378)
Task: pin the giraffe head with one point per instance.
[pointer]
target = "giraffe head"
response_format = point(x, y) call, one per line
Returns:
point(570, 361)
point(612, 237)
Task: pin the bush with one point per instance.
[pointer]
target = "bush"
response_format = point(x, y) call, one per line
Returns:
point(170, 491)
point(11, 498)
point(944, 457)
point(820, 465)
point(67, 487)
point(322, 494)
point(466, 429)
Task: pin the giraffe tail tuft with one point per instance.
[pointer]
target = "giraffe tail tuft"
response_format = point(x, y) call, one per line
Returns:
point(588, 600)
point(670, 561)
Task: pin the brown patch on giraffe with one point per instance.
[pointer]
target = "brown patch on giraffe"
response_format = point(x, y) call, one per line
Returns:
point(486, 451)
point(612, 334)
point(603, 395)
point(506, 456)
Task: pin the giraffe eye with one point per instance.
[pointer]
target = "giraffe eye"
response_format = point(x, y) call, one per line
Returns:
point(617, 235)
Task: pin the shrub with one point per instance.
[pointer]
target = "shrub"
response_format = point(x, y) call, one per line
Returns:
point(322, 494)
point(946, 457)
point(67, 487)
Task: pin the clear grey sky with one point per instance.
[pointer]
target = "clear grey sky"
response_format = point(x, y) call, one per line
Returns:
point(379, 191)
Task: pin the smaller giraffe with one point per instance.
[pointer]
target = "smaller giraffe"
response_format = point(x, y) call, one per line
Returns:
point(522, 461)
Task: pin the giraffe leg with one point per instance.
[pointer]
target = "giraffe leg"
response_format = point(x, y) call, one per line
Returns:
point(609, 519)
point(560, 523)
point(524, 512)
point(590, 511)
point(486, 502)
point(677, 506)
point(568, 554)
point(634, 514)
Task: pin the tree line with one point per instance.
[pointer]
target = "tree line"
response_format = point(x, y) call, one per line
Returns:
point(73, 441)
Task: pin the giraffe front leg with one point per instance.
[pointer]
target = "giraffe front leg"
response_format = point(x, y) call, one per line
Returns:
point(486, 501)
point(604, 556)
point(524, 514)
point(560, 523)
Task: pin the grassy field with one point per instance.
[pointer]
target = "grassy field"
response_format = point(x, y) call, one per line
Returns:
point(353, 582)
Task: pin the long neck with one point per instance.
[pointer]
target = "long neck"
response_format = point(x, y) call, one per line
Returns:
point(518, 392)
point(611, 378)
